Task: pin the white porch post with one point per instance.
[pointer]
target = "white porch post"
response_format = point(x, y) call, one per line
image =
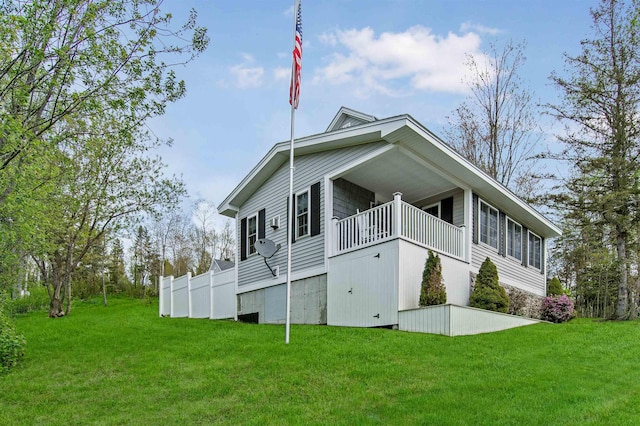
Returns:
point(468, 224)
point(335, 238)
point(397, 212)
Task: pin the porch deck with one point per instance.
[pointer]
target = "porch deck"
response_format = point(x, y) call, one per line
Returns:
point(398, 219)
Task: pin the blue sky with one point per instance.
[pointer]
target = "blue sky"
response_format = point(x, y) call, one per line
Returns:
point(380, 57)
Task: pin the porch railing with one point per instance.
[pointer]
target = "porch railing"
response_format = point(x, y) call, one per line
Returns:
point(382, 223)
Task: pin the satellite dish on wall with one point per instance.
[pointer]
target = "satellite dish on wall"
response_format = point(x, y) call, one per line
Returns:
point(267, 248)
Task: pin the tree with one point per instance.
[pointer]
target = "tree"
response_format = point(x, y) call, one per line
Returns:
point(205, 238)
point(62, 57)
point(601, 109)
point(487, 292)
point(495, 127)
point(432, 291)
point(106, 181)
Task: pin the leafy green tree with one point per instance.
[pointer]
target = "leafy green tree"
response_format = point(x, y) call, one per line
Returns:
point(78, 80)
point(601, 109)
point(82, 58)
point(488, 293)
point(433, 291)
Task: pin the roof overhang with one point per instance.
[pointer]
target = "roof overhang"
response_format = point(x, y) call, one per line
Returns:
point(409, 136)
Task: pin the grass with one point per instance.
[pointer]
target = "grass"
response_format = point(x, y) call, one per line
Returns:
point(125, 365)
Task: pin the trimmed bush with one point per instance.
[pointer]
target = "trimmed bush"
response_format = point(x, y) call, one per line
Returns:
point(557, 308)
point(555, 287)
point(11, 343)
point(433, 291)
point(488, 293)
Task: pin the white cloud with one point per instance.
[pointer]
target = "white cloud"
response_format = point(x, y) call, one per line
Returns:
point(468, 27)
point(246, 75)
point(384, 63)
point(282, 73)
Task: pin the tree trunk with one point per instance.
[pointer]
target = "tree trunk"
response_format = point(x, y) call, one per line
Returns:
point(622, 307)
point(104, 290)
point(55, 307)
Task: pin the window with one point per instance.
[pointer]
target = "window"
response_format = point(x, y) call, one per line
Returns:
point(252, 234)
point(488, 225)
point(535, 251)
point(433, 209)
point(514, 239)
point(302, 214)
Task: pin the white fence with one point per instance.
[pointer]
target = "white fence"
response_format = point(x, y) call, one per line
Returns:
point(383, 223)
point(207, 295)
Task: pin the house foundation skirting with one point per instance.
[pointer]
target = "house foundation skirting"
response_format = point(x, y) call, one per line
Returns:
point(308, 302)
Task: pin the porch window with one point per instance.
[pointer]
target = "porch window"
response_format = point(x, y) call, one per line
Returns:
point(302, 214)
point(535, 250)
point(514, 239)
point(252, 234)
point(433, 210)
point(488, 225)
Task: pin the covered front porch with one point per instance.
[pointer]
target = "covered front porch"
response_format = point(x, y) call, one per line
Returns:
point(398, 219)
point(395, 194)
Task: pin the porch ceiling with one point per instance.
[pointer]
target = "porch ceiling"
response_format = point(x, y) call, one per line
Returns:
point(395, 171)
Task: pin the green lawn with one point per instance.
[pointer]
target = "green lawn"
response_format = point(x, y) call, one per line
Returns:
point(125, 365)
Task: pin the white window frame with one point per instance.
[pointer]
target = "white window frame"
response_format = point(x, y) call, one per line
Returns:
point(307, 214)
point(480, 225)
point(529, 251)
point(509, 247)
point(249, 235)
point(430, 206)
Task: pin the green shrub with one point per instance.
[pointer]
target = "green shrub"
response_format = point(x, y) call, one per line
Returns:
point(557, 308)
point(555, 287)
point(488, 293)
point(11, 342)
point(432, 291)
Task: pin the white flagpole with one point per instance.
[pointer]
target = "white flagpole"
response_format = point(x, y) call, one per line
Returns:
point(290, 225)
point(291, 213)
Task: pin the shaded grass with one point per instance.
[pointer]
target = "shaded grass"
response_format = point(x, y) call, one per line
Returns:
point(124, 365)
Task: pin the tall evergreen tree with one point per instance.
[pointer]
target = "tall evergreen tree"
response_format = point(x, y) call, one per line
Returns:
point(601, 107)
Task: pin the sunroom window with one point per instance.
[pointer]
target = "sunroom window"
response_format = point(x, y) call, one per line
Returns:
point(514, 239)
point(535, 250)
point(488, 225)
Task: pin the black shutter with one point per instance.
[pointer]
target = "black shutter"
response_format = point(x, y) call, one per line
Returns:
point(293, 215)
point(525, 246)
point(315, 209)
point(446, 210)
point(243, 239)
point(261, 223)
point(474, 211)
point(502, 231)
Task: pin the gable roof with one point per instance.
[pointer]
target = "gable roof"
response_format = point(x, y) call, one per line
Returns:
point(412, 138)
point(222, 265)
point(347, 117)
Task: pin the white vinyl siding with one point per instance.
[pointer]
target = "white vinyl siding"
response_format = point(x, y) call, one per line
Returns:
point(514, 239)
point(488, 225)
point(535, 250)
point(272, 195)
point(509, 272)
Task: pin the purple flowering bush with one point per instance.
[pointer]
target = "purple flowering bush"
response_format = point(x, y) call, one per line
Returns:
point(557, 308)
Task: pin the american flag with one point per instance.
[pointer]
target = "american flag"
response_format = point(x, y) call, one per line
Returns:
point(294, 88)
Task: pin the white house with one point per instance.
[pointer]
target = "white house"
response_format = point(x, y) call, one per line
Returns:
point(372, 196)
